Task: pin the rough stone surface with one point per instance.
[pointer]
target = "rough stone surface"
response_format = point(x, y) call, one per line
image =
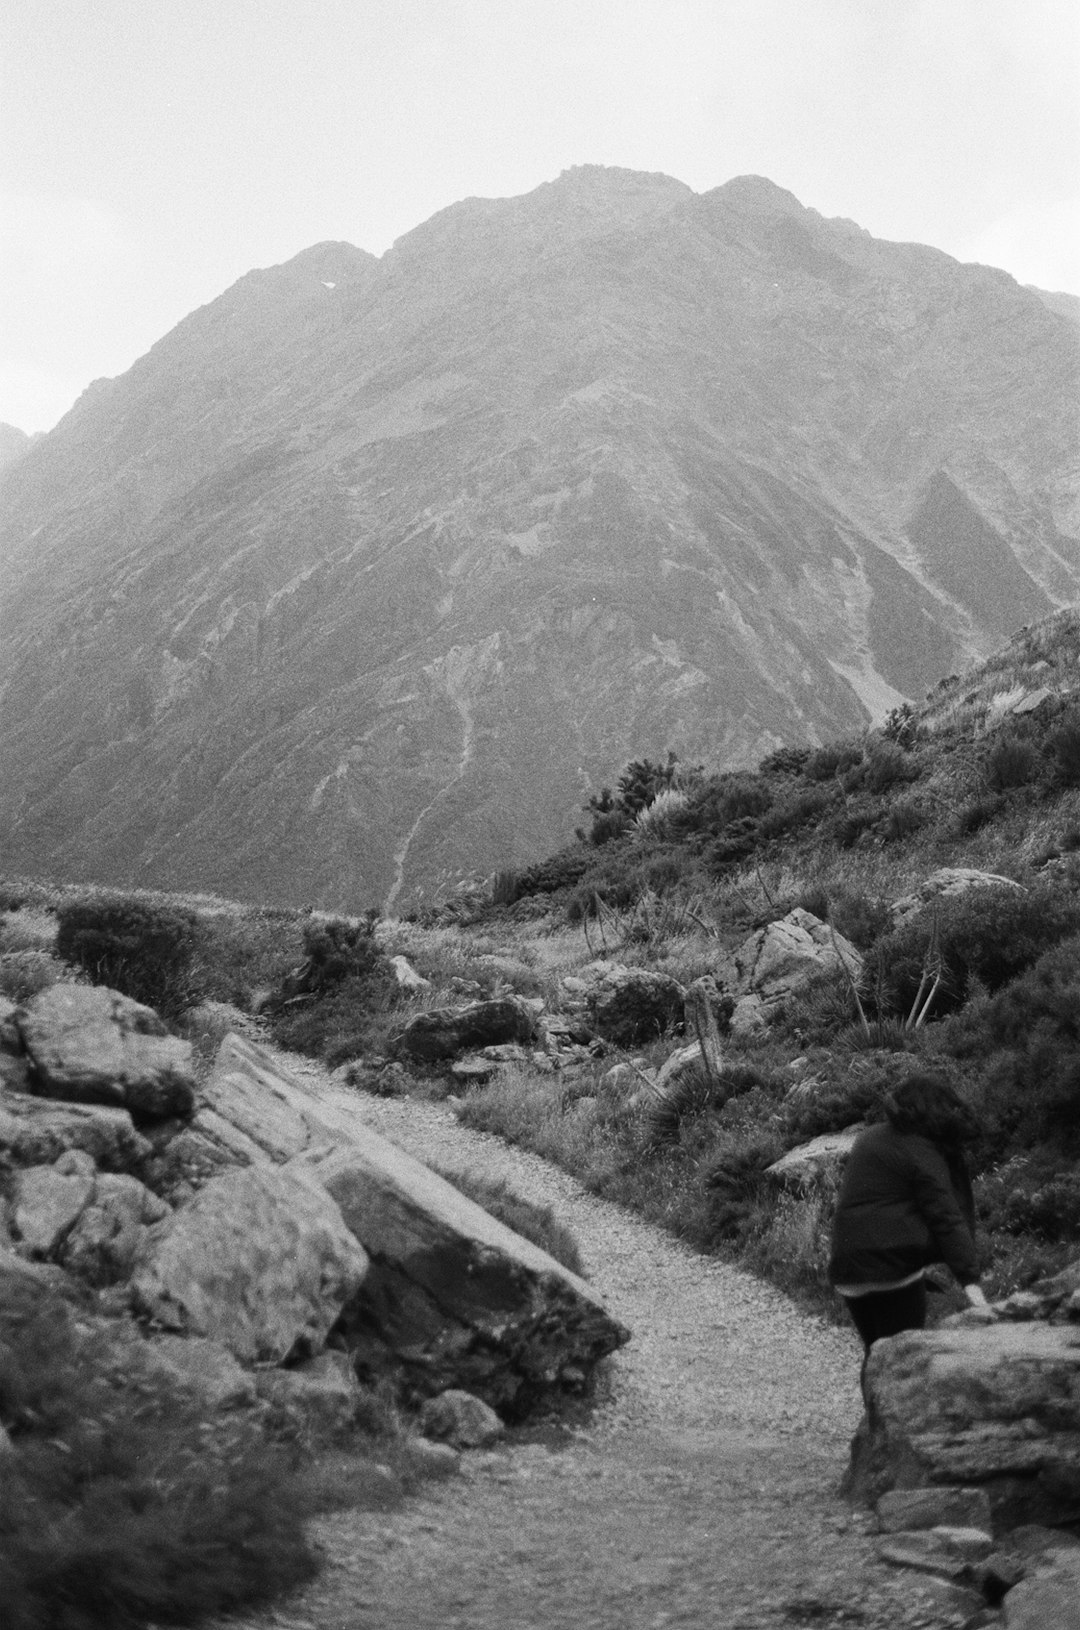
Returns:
point(949, 1552)
point(103, 1245)
point(37, 1131)
point(204, 1369)
point(994, 1405)
point(48, 1203)
point(93, 1045)
point(460, 1419)
point(454, 1297)
point(629, 1006)
point(443, 1032)
point(778, 961)
point(822, 1157)
point(260, 1261)
point(407, 976)
point(1049, 1598)
point(318, 1397)
point(908, 1509)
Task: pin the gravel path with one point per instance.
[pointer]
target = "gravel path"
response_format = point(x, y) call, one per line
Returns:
point(700, 1492)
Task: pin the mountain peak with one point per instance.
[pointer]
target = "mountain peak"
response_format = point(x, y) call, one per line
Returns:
point(756, 194)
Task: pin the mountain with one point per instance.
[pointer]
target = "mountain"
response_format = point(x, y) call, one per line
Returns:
point(13, 444)
point(373, 569)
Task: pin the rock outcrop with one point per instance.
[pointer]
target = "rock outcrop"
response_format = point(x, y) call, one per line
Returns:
point(778, 961)
point(442, 1033)
point(89, 1044)
point(454, 1298)
point(260, 1260)
point(628, 1006)
point(992, 1406)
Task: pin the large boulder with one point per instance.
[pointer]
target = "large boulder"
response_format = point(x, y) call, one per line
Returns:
point(89, 1044)
point(778, 961)
point(813, 1163)
point(628, 1006)
point(454, 1298)
point(443, 1032)
point(260, 1260)
point(993, 1406)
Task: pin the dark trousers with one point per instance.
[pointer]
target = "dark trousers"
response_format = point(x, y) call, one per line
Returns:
point(886, 1313)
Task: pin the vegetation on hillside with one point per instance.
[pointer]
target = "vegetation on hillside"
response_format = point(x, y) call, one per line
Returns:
point(674, 866)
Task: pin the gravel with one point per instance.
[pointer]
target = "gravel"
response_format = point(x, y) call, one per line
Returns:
point(700, 1490)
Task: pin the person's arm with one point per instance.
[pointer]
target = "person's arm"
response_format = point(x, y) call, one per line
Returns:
point(940, 1208)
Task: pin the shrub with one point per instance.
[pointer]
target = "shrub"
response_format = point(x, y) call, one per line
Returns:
point(608, 825)
point(504, 888)
point(1011, 762)
point(24, 973)
point(859, 918)
point(900, 725)
point(832, 760)
point(903, 821)
point(987, 934)
point(696, 1092)
point(1064, 745)
point(326, 1006)
point(734, 1179)
point(784, 761)
point(118, 1505)
point(1031, 1195)
point(976, 814)
point(558, 871)
point(144, 950)
point(537, 1223)
point(886, 765)
point(802, 809)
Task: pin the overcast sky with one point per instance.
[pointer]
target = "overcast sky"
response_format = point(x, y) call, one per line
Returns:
point(153, 151)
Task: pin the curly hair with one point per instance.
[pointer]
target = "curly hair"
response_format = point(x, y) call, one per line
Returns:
point(931, 1106)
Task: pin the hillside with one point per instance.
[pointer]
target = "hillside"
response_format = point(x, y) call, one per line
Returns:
point(372, 571)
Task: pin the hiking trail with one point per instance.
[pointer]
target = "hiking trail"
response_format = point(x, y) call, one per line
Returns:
point(700, 1491)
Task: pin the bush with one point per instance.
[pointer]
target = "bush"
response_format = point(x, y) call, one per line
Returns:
point(1064, 745)
point(325, 1008)
point(146, 951)
point(903, 821)
point(24, 973)
point(1011, 762)
point(987, 935)
point(886, 765)
point(832, 760)
point(558, 871)
point(118, 1504)
point(537, 1223)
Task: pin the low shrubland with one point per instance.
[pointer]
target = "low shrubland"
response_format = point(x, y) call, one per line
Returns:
point(119, 1504)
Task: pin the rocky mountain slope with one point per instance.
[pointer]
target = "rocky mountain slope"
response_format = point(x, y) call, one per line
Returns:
point(373, 569)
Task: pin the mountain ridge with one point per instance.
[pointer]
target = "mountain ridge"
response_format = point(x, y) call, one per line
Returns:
point(608, 468)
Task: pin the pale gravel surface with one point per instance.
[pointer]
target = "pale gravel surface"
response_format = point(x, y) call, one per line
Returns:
point(699, 1493)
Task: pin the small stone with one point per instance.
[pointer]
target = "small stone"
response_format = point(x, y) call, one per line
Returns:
point(461, 1419)
point(933, 1508)
point(433, 1459)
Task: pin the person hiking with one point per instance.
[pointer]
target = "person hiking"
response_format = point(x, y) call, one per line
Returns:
point(905, 1202)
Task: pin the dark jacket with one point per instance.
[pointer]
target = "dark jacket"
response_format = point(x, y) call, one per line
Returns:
point(901, 1208)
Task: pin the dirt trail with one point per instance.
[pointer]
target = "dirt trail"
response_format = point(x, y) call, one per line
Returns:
point(700, 1492)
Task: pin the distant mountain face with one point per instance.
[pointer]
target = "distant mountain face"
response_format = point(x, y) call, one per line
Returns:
point(13, 444)
point(372, 570)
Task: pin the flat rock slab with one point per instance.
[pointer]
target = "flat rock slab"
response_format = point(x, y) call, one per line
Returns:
point(993, 1406)
point(94, 1045)
point(453, 1297)
point(260, 1261)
